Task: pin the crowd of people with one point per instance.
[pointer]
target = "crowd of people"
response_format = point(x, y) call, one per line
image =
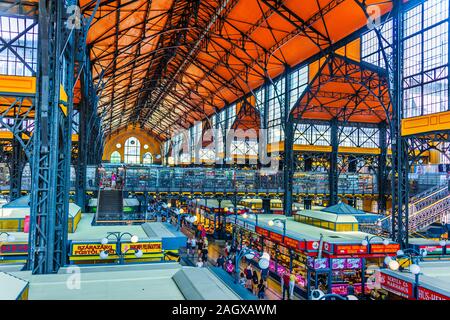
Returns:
point(198, 248)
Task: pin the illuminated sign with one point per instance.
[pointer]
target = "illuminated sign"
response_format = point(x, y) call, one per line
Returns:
point(276, 237)
point(349, 263)
point(381, 248)
point(8, 249)
point(350, 249)
point(316, 264)
point(426, 294)
point(92, 249)
point(292, 243)
point(432, 249)
point(146, 247)
point(399, 287)
point(262, 232)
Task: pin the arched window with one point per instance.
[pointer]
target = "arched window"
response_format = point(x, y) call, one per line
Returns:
point(148, 158)
point(132, 152)
point(115, 157)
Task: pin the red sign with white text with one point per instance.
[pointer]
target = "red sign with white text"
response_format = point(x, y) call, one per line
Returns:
point(381, 248)
point(350, 249)
point(399, 287)
point(276, 237)
point(262, 232)
point(426, 294)
point(292, 243)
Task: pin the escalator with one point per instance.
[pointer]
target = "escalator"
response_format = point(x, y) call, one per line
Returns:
point(425, 209)
point(110, 205)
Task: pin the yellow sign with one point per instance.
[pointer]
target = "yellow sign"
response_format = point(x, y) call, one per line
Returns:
point(92, 249)
point(146, 247)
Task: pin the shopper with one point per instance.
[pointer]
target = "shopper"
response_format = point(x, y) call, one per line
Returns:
point(113, 180)
point(200, 246)
point(264, 274)
point(205, 256)
point(227, 248)
point(193, 245)
point(242, 279)
point(188, 246)
point(285, 286)
point(229, 267)
point(261, 289)
point(350, 289)
point(255, 282)
point(203, 232)
point(248, 276)
point(291, 285)
point(220, 261)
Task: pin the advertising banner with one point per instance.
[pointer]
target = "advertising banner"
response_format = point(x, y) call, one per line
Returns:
point(262, 232)
point(12, 249)
point(146, 247)
point(431, 250)
point(92, 249)
point(317, 264)
point(426, 294)
point(381, 248)
point(276, 237)
point(350, 249)
point(349, 263)
point(399, 287)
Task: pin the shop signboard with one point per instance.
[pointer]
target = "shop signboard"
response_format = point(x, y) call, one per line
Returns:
point(397, 286)
point(92, 249)
point(350, 249)
point(427, 294)
point(276, 237)
point(9, 249)
point(262, 232)
point(292, 243)
point(431, 250)
point(146, 247)
point(316, 264)
point(382, 248)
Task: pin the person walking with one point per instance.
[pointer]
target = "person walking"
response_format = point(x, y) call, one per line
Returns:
point(227, 248)
point(229, 267)
point(199, 263)
point(188, 247)
point(285, 286)
point(261, 289)
point(205, 256)
point(200, 246)
point(255, 282)
point(264, 275)
point(220, 261)
point(248, 276)
point(113, 180)
point(193, 245)
point(242, 279)
point(291, 285)
point(203, 232)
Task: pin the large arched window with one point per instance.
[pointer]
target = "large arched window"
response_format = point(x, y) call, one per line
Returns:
point(115, 157)
point(148, 158)
point(132, 152)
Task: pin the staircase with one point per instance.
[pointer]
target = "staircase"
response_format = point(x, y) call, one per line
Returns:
point(424, 209)
point(110, 205)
